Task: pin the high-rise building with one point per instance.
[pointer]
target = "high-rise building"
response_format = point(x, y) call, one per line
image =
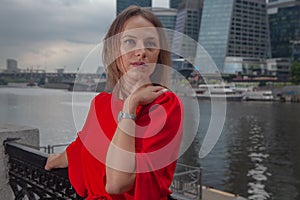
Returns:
point(235, 34)
point(284, 22)
point(279, 67)
point(167, 16)
point(270, 1)
point(12, 65)
point(175, 3)
point(122, 4)
point(188, 22)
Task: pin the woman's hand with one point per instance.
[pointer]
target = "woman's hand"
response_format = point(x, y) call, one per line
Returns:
point(145, 95)
point(57, 161)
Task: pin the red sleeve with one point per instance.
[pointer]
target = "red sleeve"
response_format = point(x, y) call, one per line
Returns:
point(75, 167)
point(159, 127)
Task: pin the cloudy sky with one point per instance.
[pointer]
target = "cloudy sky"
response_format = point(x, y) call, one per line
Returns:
point(50, 34)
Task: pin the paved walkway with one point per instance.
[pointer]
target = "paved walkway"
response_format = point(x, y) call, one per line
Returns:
point(213, 194)
point(210, 194)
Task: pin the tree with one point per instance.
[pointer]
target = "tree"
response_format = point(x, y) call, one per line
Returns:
point(295, 72)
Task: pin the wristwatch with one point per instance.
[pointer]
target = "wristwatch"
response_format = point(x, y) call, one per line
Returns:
point(123, 115)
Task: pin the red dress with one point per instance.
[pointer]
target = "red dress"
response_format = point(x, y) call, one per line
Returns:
point(157, 148)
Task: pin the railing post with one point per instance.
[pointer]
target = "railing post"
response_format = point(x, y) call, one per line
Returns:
point(28, 136)
point(200, 183)
point(49, 149)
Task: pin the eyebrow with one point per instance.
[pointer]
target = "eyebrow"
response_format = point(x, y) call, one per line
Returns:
point(151, 38)
point(128, 36)
point(131, 36)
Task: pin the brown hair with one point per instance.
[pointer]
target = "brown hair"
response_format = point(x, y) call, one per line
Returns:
point(109, 54)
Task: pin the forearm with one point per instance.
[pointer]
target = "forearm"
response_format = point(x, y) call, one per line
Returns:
point(120, 161)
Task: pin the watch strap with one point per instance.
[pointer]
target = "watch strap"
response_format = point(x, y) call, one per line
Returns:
point(123, 115)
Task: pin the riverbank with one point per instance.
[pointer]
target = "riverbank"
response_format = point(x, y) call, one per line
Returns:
point(290, 93)
point(287, 93)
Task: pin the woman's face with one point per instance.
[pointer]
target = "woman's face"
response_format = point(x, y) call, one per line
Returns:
point(139, 48)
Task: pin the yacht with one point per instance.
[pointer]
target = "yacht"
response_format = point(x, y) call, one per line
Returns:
point(219, 92)
point(259, 95)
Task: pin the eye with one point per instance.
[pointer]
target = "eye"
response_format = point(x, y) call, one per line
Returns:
point(150, 44)
point(129, 42)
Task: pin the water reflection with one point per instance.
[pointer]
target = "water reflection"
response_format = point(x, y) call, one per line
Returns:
point(258, 156)
point(257, 153)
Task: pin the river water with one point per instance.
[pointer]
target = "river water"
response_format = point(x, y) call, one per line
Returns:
point(256, 156)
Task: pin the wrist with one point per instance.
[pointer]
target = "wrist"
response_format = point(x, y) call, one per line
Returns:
point(130, 105)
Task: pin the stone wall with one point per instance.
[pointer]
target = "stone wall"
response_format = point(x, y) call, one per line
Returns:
point(28, 136)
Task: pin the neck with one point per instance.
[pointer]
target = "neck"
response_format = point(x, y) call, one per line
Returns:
point(126, 88)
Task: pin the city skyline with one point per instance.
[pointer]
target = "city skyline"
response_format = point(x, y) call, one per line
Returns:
point(54, 34)
point(59, 34)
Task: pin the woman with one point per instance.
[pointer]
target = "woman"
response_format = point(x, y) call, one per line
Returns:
point(134, 156)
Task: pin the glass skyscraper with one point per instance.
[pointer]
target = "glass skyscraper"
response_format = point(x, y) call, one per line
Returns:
point(167, 16)
point(188, 22)
point(175, 3)
point(270, 1)
point(235, 34)
point(122, 4)
point(284, 20)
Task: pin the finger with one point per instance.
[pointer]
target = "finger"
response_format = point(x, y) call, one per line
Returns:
point(47, 167)
point(165, 90)
point(157, 88)
point(160, 92)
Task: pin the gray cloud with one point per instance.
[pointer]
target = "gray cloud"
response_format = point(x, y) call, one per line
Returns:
point(52, 32)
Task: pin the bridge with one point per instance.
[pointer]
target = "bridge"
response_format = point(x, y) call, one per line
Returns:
point(51, 77)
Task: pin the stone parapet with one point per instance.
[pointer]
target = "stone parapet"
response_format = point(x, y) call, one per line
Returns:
point(28, 136)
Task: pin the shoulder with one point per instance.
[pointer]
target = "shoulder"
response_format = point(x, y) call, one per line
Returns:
point(102, 96)
point(169, 101)
point(168, 98)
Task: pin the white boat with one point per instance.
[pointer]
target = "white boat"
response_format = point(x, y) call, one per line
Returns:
point(259, 95)
point(219, 92)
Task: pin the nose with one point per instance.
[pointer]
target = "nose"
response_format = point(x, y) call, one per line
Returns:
point(140, 50)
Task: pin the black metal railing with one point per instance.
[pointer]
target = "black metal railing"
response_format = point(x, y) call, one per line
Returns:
point(28, 178)
point(52, 148)
point(187, 182)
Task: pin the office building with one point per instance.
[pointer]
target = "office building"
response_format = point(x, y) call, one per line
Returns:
point(12, 65)
point(122, 4)
point(279, 1)
point(167, 16)
point(188, 22)
point(235, 34)
point(279, 67)
point(175, 3)
point(284, 22)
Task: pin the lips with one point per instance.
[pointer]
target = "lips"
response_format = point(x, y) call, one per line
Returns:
point(138, 64)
